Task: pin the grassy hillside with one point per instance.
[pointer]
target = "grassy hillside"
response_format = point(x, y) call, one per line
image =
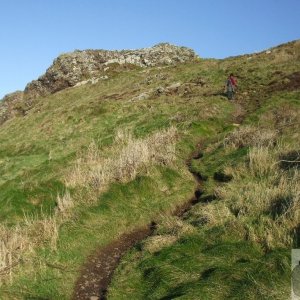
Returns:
point(89, 163)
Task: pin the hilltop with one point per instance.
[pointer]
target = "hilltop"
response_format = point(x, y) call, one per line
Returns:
point(90, 66)
point(106, 143)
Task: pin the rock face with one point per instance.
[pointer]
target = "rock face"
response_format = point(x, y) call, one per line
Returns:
point(11, 106)
point(73, 68)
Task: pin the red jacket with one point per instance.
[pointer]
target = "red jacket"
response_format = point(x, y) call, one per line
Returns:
point(233, 81)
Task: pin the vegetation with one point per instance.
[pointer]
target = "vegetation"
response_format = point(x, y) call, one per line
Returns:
point(89, 163)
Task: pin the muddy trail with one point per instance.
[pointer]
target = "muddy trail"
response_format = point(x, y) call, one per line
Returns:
point(97, 272)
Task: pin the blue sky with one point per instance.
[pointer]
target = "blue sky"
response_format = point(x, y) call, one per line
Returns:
point(34, 32)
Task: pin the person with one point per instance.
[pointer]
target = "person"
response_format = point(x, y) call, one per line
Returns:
point(230, 86)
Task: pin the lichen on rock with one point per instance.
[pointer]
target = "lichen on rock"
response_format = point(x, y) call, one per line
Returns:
point(72, 68)
point(11, 105)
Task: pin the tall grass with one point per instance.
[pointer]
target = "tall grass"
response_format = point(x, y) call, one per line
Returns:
point(265, 198)
point(129, 157)
point(93, 172)
point(18, 244)
point(250, 136)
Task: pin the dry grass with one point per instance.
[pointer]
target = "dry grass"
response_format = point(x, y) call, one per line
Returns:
point(261, 161)
point(156, 243)
point(64, 204)
point(43, 231)
point(170, 230)
point(20, 242)
point(130, 157)
point(211, 214)
point(263, 192)
point(250, 136)
point(172, 225)
point(14, 241)
point(93, 170)
point(287, 54)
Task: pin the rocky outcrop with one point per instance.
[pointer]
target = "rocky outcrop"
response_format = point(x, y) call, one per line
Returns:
point(11, 105)
point(74, 68)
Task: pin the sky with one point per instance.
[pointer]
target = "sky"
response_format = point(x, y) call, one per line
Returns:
point(34, 32)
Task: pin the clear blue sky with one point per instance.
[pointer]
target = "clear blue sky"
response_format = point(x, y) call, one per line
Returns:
point(34, 32)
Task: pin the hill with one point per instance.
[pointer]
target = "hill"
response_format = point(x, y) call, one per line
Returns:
point(86, 161)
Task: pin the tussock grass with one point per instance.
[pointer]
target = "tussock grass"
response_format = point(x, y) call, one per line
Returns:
point(243, 228)
point(64, 203)
point(261, 162)
point(225, 249)
point(250, 136)
point(262, 191)
point(129, 157)
point(158, 242)
point(13, 243)
point(18, 244)
point(210, 214)
point(43, 232)
point(172, 225)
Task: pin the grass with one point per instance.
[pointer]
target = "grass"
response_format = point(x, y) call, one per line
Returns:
point(88, 216)
point(235, 244)
point(87, 164)
point(240, 234)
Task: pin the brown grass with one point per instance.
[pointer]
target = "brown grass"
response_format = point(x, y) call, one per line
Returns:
point(263, 192)
point(21, 241)
point(64, 204)
point(12, 245)
point(250, 136)
point(130, 158)
point(170, 230)
point(212, 214)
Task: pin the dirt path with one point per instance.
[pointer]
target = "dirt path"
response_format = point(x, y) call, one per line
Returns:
point(97, 273)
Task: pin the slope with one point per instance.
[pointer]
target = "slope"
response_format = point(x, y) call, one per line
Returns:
point(235, 243)
point(58, 160)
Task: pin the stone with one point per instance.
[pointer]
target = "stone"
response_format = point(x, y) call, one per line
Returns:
point(143, 96)
point(11, 106)
point(73, 69)
point(174, 86)
point(160, 90)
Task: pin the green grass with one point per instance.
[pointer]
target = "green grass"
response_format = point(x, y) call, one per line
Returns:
point(121, 208)
point(208, 265)
point(216, 260)
point(229, 255)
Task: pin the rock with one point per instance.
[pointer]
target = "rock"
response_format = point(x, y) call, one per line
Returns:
point(143, 96)
point(174, 87)
point(74, 68)
point(81, 83)
point(12, 105)
point(103, 78)
point(160, 90)
point(171, 89)
point(200, 81)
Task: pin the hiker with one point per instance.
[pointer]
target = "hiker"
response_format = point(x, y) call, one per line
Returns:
point(230, 87)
